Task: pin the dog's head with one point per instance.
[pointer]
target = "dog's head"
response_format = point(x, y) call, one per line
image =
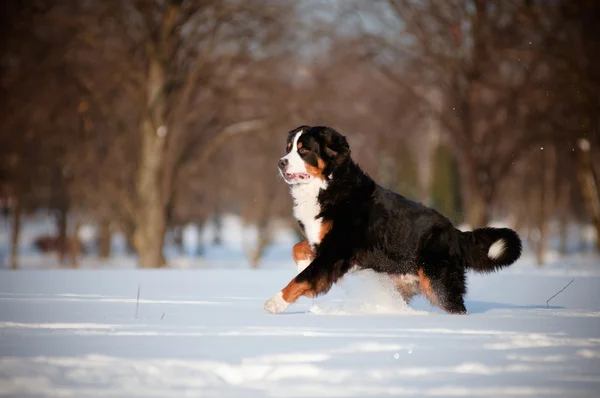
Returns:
point(312, 152)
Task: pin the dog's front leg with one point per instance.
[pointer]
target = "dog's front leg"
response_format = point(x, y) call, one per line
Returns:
point(315, 280)
point(303, 254)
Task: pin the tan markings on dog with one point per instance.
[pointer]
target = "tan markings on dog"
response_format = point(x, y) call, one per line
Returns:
point(289, 146)
point(325, 228)
point(294, 290)
point(321, 164)
point(426, 288)
point(316, 172)
point(407, 286)
point(302, 251)
point(299, 145)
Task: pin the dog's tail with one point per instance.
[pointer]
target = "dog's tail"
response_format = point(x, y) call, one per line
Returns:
point(489, 249)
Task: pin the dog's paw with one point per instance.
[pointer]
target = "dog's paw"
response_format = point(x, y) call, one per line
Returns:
point(276, 304)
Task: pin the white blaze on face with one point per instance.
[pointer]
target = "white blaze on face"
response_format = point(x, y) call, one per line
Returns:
point(295, 162)
point(305, 193)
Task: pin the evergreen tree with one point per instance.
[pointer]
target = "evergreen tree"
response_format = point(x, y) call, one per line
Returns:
point(407, 183)
point(444, 187)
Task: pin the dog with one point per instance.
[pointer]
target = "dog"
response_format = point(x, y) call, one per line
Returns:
point(351, 222)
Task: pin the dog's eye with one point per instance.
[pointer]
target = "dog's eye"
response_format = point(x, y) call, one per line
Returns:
point(303, 151)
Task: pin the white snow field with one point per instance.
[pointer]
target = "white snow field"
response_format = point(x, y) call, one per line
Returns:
point(204, 333)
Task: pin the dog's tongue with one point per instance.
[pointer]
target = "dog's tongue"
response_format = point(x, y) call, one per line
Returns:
point(301, 176)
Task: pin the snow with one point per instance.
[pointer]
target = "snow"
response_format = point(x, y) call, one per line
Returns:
point(238, 239)
point(204, 333)
point(200, 329)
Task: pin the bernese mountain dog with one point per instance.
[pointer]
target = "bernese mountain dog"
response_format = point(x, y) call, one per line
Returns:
point(350, 221)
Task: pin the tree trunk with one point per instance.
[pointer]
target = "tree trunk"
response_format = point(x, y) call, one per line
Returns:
point(476, 207)
point(75, 244)
point(518, 220)
point(16, 233)
point(178, 238)
point(104, 239)
point(130, 242)
point(153, 179)
point(477, 212)
point(547, 196)
point(128, 230)
point(264, 240)
point(531, 204)
point(583, 244)
point(564, 198)
point(152, 209)
point(218, 229)
point(151, 213)
point(62, 234)
point(563, 234)
point(589, 186)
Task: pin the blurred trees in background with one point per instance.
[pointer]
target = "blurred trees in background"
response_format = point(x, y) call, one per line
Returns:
point(143, 116)
point(445, 183)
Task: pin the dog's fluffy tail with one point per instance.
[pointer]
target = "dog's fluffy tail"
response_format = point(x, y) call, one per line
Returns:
point(489, 249)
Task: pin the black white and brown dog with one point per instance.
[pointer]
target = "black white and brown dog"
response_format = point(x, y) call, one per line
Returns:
point(350, 221)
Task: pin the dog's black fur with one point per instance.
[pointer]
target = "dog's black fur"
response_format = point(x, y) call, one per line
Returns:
point(375, 228)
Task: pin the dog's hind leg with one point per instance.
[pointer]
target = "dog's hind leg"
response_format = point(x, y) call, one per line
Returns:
point(303, 255)
point(441, 275)
point(444, 287)
point(454, 287)
point(407, 286)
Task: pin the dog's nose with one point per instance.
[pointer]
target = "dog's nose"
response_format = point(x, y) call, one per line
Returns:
point(282, 163)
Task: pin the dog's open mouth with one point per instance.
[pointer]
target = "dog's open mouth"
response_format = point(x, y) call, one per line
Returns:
point(296, 176)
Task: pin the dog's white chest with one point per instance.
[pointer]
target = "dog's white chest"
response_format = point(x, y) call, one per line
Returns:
point(307, 208)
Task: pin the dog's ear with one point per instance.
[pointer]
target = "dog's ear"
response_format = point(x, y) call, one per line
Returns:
point(294, 131)
point(336, 145)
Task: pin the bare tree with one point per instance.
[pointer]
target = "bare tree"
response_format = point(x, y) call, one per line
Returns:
point(171, 59)
point(473, 64)
point(39, 111)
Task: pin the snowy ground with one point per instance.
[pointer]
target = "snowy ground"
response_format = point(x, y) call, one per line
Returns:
point(200, 330)
point(204, 333)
